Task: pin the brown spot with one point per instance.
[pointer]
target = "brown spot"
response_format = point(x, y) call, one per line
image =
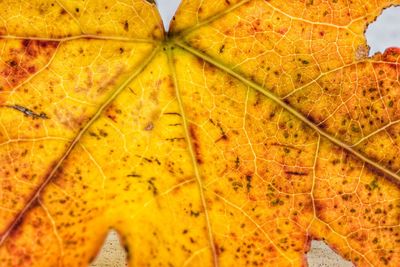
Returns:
point(313, 119)
point(282, 31)
point(149, 127)
point(296, 173)
point(112, 112)
point(360, 237)
point(249, 178)
point(221, 49)
point(15, 228)
point(200, 61)
point(284, 146)
point(32, 69)
point(323, 125)
point(126, 26)
point(45, 44)
point(25, 42)
point(218, 250)
point(320, 206)
point(196, 143)
point(256, 26)
point(223, 136)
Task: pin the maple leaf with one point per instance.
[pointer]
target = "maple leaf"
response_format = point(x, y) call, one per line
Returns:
point(250, 129)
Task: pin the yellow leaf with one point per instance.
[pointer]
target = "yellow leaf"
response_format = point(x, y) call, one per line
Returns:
point(249, 130)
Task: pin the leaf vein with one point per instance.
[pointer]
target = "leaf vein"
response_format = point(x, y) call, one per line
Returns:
point(43, 185)
point(288, 108)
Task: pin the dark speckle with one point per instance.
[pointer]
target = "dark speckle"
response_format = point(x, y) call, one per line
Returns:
point(248, 185)
point(221, 49)
point(126, 26)
point(296, 173)
point(194, 213)
point(151, 186)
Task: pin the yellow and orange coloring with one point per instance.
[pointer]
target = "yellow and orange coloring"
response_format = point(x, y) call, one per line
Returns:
point(250, 129)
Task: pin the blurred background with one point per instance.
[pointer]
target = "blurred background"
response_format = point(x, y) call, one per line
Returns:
point(383, 33)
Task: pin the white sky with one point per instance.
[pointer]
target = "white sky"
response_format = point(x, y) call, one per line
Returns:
point(167, 10)
point(385, 32)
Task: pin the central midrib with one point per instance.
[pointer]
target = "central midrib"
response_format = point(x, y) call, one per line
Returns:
point(197, 174)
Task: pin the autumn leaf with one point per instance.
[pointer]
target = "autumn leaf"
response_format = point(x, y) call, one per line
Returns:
point(250, 129)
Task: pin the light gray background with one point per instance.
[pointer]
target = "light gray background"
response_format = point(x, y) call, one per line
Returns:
point(384, 33)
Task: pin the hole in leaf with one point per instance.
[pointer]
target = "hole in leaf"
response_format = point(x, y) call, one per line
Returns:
point(321, 255)
point(385, 31)
point(167, 9)
point(112, 254)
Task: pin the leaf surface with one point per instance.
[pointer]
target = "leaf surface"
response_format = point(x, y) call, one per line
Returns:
point(250, 129)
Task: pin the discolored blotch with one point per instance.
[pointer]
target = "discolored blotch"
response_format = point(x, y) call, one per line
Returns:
point(392, 54)
point(196, 143)
point(24, 59)
point(113, 112)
